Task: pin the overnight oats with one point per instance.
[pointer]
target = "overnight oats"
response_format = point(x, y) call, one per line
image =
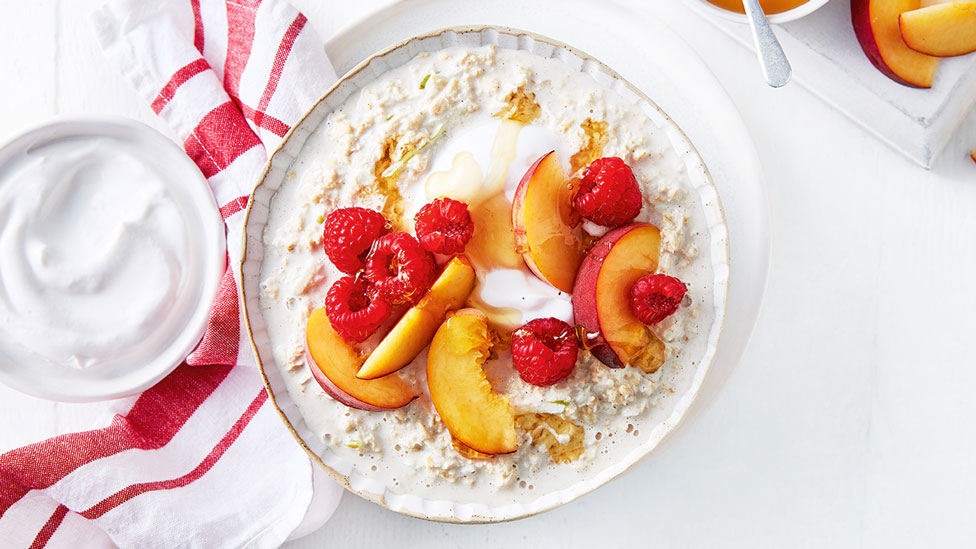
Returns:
point(485, 276)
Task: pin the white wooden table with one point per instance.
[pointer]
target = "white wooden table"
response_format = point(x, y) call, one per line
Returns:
point(851, 420)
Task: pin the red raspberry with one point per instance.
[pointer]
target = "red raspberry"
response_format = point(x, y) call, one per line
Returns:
point(544, 351)
point(656, 297)
point(444, 226)
point(354, 309)
point(348, 235)
point(400, 268)
point(608, 194)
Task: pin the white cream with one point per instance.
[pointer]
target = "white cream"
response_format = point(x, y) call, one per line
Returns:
point(94, 256)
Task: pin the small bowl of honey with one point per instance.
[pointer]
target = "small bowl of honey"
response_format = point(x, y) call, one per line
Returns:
point(777, 11)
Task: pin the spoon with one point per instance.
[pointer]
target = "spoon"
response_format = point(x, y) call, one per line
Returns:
point(775, 67)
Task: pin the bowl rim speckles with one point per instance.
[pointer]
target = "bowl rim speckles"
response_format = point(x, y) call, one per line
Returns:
point(361, 75)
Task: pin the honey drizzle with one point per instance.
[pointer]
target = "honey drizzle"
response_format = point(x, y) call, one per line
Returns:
point(521, 107)
point(386, 185)
point(541, 428)
point(595, 137)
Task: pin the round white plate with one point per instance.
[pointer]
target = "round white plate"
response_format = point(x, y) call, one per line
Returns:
point(743, 184)
point(206, 264)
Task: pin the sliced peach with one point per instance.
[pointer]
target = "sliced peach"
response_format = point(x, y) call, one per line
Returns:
point(876, 26)
point(473, 412)
point(548, 231)
point(943, 30)
point(416, 327)
point(601, 297)
point(334, 365)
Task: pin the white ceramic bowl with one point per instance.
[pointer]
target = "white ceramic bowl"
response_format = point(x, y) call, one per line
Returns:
point(673, 406)
point(206, 262)
point(784, 17)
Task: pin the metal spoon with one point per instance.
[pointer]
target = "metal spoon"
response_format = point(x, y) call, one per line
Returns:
point(775, 67)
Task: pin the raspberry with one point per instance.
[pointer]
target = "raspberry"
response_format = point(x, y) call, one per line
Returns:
point(354, 309)
point(544, 351)
point(400, 268)
point(444, 226)
point(608, 194)
point(656, 297)
point(348, 234)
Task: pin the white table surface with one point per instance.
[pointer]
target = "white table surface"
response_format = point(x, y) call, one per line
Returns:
point(851, 420)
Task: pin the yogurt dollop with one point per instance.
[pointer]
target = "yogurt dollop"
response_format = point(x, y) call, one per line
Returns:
point(483, 166)
point(521, 290)
point(95, 253)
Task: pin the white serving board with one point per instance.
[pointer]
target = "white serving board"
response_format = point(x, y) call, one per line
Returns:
point(828, 61)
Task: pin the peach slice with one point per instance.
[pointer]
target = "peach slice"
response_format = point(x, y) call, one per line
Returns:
point(416, 327)
point(473, 412)
point(943, 30)
point(601, 297)
point(334, 364)
point(876, 26)
point(548, 231)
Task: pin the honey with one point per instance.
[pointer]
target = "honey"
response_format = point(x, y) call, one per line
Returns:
point(386, 184)
point(595, 137)
point(520, 107)
point(768, 6)
point(492, 245)
point(562, 439)
point(493, 242)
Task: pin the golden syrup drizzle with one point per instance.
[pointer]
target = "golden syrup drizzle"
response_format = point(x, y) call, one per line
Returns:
point(503, 150)
point(462, 182)
point(595, 137)
point(386, 184)
point(541, 428)
point(493, 243)
point(521, 107)
point(587, 340)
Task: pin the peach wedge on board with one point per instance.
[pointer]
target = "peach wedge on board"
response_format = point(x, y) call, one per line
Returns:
point(876, 26)
point(944, 30)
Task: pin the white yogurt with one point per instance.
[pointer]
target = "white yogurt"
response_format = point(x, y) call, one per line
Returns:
point(95, 256)
point(476, 163)
point(521, 290)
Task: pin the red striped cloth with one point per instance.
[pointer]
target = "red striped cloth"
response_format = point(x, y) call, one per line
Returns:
point(200, 459)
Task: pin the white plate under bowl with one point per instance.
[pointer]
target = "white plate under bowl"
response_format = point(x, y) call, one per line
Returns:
point(207, 262)
point(668, 411)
